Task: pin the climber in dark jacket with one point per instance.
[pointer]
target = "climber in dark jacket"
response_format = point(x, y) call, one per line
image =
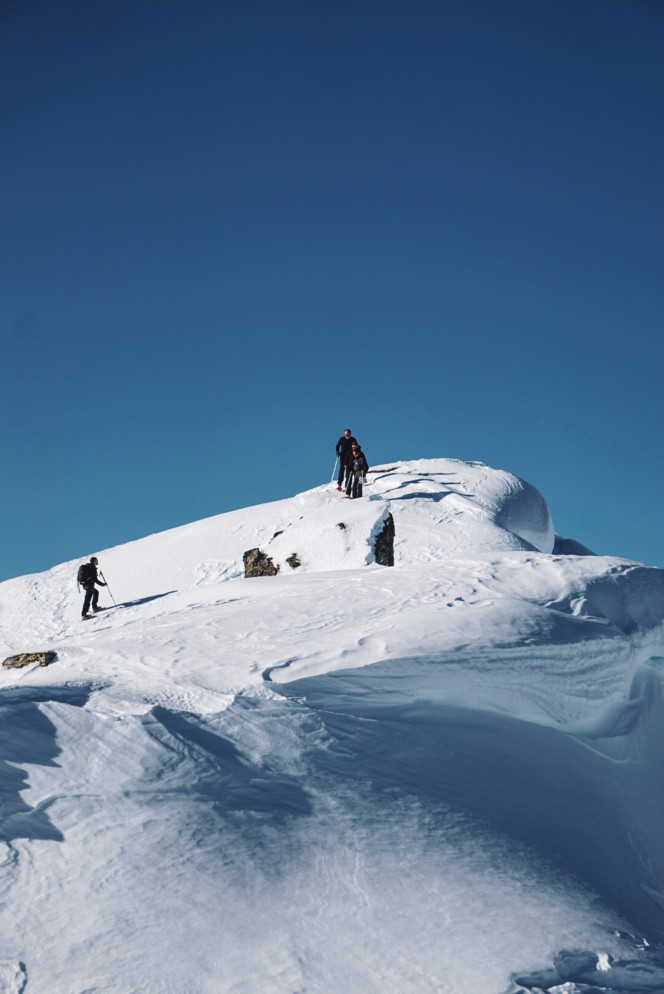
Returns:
point(343, 448)
point(88, 584)
point(356, 470)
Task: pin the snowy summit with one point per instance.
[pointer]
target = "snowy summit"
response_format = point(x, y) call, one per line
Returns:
point(423, 755)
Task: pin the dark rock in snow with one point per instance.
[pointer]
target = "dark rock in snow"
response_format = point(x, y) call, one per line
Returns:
point(25, 658)
point(256, 563)
point(293, 561)
point(384, 544)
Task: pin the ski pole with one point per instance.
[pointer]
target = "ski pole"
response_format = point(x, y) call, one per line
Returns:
point(107, 587)
point(334, 470)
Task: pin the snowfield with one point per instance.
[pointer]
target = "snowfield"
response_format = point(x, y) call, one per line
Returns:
point(438, 776)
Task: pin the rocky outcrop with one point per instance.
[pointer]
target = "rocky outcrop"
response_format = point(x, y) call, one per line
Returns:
point(384, 544)
point(377, 543)
point(256, 563)
point(25, 658)
point(321, 533)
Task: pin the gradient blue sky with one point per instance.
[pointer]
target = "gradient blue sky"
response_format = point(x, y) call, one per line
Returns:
point(232, 228)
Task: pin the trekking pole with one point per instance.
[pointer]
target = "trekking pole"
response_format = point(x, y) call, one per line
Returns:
point(107, 587)
point(334, 470)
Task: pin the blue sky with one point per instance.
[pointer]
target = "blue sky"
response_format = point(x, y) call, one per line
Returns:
point(231, 229)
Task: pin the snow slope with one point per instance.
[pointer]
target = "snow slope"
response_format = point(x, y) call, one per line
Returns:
point(438, 776)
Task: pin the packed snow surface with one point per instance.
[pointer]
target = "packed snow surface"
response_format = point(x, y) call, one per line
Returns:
point(438, 776)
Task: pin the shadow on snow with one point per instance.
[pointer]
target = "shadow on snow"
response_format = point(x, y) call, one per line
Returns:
point(28, 736)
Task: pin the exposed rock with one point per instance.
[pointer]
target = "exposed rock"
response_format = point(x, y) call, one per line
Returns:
point(25, 658)
point(328, 535)
point(256, 563)
point(384, 544)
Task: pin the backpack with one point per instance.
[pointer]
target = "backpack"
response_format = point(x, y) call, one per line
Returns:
point(85, 574)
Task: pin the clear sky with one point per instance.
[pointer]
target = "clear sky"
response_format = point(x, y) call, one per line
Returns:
point(231, 228)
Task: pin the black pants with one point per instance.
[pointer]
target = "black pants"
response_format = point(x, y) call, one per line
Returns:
point(91, 594)
point(342, 470)
point(354, 484)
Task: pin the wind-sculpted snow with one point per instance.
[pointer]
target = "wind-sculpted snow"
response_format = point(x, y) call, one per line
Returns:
point(575, 970)
point(441, 777)
point(586, 795)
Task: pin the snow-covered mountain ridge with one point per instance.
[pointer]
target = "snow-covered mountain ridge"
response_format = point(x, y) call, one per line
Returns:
point(487, 686)
point(467, 538)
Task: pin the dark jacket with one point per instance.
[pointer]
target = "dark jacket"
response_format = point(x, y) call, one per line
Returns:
point(362, 465)
point(93, 578)
point(344, 446)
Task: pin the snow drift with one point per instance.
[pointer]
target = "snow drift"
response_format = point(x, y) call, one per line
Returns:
point(438, 776)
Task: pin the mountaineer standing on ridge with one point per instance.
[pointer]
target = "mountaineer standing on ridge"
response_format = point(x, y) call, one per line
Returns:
point(87, 578)
point(343, 449)
point(356, 470)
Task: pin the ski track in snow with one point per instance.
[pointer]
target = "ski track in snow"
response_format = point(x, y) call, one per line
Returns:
point(435, 777)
